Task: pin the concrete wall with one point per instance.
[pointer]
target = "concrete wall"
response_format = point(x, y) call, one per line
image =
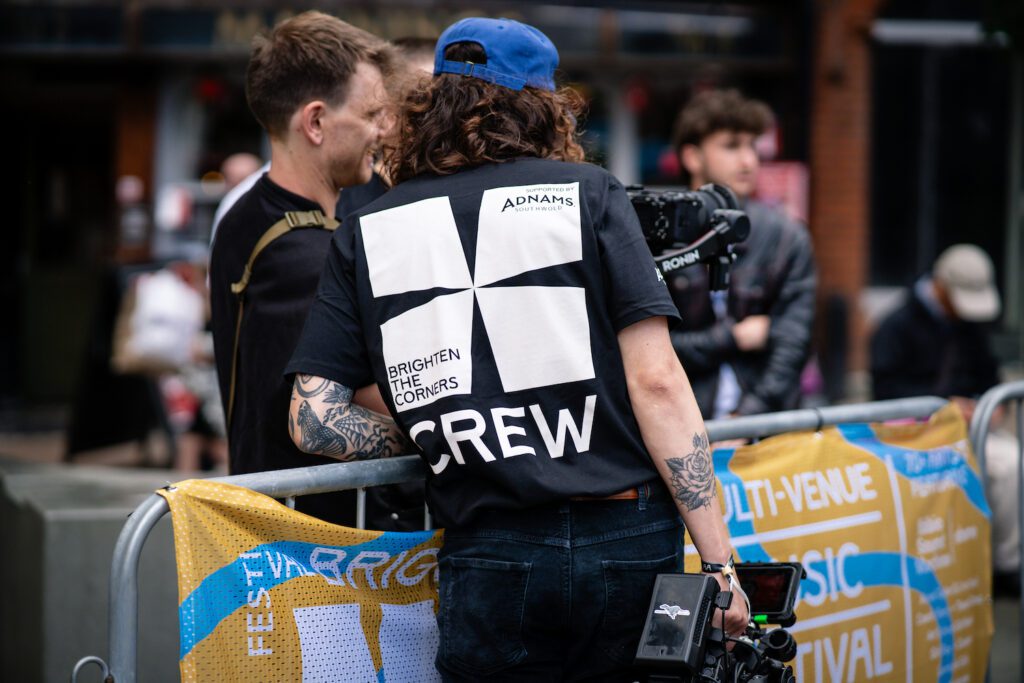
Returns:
point(58, 525)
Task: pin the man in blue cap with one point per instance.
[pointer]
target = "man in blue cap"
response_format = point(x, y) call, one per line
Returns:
point(503, 298)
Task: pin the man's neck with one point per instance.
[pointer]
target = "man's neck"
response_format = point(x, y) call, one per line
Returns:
point(295, 173)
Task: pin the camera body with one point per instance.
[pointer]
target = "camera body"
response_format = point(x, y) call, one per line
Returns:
point(675, 218)
point(686, 227)
point(680, 644)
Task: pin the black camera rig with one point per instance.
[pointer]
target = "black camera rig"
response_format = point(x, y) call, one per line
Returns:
point(680, 644)
point(686, 227)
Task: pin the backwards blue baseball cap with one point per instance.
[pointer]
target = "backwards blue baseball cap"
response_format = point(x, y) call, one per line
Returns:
point(517, 54)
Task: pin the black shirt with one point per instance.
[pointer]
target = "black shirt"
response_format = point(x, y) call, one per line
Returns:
point(487, 306)
point(277, 300)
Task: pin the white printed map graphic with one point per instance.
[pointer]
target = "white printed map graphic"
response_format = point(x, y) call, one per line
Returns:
point(539, 335)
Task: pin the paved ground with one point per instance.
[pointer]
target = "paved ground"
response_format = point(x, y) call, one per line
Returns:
point(1005, 664)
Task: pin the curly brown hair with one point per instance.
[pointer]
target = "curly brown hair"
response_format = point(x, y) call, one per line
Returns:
point(457, 122)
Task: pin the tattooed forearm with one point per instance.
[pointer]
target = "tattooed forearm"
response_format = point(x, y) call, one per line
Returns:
point(312, 436)
point(693, 475)
point(368, 434)
point(329, 424)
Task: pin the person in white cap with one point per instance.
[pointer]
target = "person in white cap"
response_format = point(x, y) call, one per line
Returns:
point(937, 343)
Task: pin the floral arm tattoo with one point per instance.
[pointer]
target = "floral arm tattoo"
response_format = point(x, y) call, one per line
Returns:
point(693, 475)
point(323, 420)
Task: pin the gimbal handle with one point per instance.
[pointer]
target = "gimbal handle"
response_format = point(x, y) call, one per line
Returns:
point(712, 248)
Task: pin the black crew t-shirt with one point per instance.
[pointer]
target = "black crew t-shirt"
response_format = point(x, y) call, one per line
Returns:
point(486, 304)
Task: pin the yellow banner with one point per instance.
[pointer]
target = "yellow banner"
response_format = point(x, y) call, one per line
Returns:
point(270, 594)
point(892, 527)
point(889, 522)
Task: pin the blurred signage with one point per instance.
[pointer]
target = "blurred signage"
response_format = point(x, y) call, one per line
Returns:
point(785, 185)
point(53, 29)
point(69, 26)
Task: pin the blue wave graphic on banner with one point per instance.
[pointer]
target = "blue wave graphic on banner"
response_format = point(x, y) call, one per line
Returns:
point(227, 589)
point(876, 570)
point(722, 458)
point(934, 466)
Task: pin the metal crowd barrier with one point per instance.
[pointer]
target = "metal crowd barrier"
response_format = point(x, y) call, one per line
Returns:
point(286, 484)
point(981, 425)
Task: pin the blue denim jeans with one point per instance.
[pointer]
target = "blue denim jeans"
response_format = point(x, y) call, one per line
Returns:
point(554, 593)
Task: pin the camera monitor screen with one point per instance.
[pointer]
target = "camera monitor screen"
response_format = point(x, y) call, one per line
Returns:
point(771, 587)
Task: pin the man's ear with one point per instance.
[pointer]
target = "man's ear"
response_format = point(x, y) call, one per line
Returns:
point(692, 159)
point(310, 121)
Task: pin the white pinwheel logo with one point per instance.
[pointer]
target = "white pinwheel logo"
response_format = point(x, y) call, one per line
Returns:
point(538, 334)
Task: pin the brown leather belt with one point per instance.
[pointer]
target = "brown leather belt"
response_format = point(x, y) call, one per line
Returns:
point(628, 494)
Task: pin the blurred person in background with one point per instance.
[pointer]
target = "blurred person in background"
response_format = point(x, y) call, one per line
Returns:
point(202, 443)
point(316, 86)
point(418, 53)
point(503, 297)
point(202, 438)
point(1001, 488)
point(240, 171)
point(745, 348)
point(937, 343)
point(238, 167)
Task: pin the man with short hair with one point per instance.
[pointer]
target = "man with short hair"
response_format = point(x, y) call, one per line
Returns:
point(414, 59)
point(744, 349)
point(316, 85)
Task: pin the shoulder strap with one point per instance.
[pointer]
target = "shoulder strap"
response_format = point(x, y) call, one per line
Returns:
point(292, 220)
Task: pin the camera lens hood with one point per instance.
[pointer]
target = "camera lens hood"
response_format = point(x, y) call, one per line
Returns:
point(779, 644)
